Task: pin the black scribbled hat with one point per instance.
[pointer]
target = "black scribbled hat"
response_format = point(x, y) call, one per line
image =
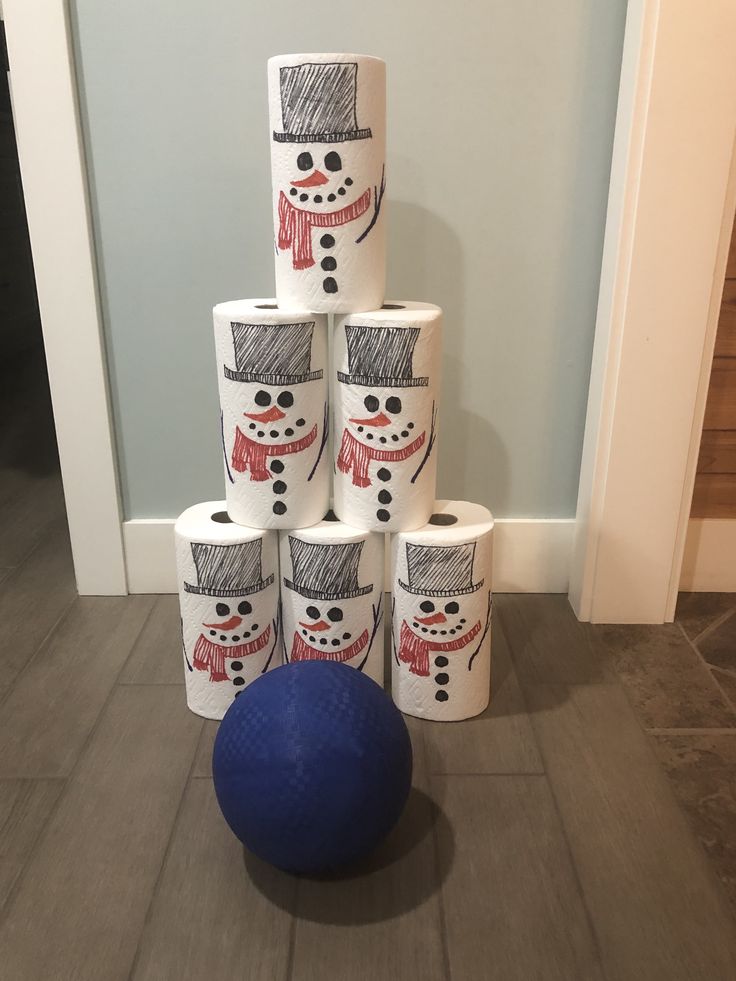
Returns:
point(440, 570)
point(318, 103)
point(381, 357)
point(325, 572)
point(273, 354)
point(228, 570)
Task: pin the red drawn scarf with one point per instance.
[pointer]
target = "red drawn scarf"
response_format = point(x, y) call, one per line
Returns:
point(356, 456)
point(295, 226)
point(415, 650)
point(212, 656)
point(249, 455)
point(301, 651)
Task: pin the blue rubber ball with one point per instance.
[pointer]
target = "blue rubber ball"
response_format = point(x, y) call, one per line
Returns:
point(312, 766)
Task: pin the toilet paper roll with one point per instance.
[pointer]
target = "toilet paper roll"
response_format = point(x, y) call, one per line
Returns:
point(328, 151)
point(332, 595)
point(229, 597)
point(441, 614)
point(272, 374)
point(385, 392)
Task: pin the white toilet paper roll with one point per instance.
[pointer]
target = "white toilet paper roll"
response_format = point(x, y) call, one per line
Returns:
point(229, 597)
point(441, 614)
point(272, 374)
point(328, 151)
point(332, 595)
point(385, 390)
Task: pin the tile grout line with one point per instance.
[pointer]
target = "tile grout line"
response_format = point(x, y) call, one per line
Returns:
point(711, 628)
point(444, 939)
point(167, 850)
point(41, 645)
point(290, 955)
point(658, 731)
point(708, 668)
point(67, 780)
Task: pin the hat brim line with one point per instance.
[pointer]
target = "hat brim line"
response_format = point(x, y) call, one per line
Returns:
point(319, 594)
point(342, 136)
point(442, 593)
point(271, 379)
point(381, 381)
point(240, 591)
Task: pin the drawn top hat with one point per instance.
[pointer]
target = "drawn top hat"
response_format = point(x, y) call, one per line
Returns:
point(318, 103)
point(381, 357)
point(273, 354)
point(228, 570)
point(325, 572)
point(440, 570)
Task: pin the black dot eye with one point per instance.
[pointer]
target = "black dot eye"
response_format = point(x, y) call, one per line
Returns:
point(452, 607)
point(245, 608)
point(262, 398)
point(285, 400)
point(427, 606)
point(393, 404)
point(304, 161)
point(371, 403)
point(333, 161)
point(222, 609)
point(313, 613)
point(335, 614)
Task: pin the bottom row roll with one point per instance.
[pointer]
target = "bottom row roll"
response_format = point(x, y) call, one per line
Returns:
point(252, 600)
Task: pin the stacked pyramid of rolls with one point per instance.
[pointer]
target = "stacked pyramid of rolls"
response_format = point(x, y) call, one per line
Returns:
point(329, 398)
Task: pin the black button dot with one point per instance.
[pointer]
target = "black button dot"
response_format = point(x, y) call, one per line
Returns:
point(384, 496)
point(247, 633)
point(335, 642)
point(279, 487)
point(329, 263)
point(329, 285)
point(383, 515)
point(279, 507)
point(424, 630)
point(303, 197)
point(239, 681)
point(442, 678)
point(223, 636)
point(349, 181)
point(361, 428)
point(330, 197)
point(274, 433)
point(433, 632)
point(289, 432)
point(213, 633)
point(346, 636)
point(236, 638)
point(327, 241)
point(395, 438)
point(341, 190)
point(252, 425)
point(311, 639)
point(441, 661)
point(293, 191)
point(236, 665)
point(381, 439)
point(410, 425)
point(404, 432)
point(304, 632)
point(318, 199)
point(323, 641)
point(260, 433)
point(369, 435)
point(300, 422)
point(277, 466)
point(254, 627)
point(443, 632)
point(384, 474)
point(441, 695)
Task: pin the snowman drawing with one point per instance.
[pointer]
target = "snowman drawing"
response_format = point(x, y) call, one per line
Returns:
point(388, 424)
point(281, 409)
point(232, 607)
point(336, 619)
point(328, 178)
point(446, 623)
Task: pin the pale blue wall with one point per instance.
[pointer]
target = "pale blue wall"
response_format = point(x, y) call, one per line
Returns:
point(501, 122)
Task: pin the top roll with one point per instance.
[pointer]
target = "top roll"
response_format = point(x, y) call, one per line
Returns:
point(328, 148)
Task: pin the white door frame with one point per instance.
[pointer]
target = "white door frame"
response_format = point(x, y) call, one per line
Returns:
point(655, 327)
point(50, 150)
point(670, 212)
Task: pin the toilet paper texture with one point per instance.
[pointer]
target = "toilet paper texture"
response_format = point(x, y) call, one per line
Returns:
point(332, 595)
point(272, 375)
point(227, 578)
point(328, 150)
point(441, 614)
point(385, 392)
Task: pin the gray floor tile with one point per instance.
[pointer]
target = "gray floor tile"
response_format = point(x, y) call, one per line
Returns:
point(80, 905)
point(500, 740)
point(203, 759)
point(208, 919)
point(26, 517)
point(512, 905)
point(659, 912)
point(719, 646)
point(156, 658)
point(25, 806)
point(50, 712)
point(727, 682)
point(703, 773)
point(667, 682)
point(548, 645)
point(697, 611)
point(33, 598)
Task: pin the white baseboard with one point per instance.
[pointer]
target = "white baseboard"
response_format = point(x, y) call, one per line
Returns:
point(709, 564)
point(530, 555)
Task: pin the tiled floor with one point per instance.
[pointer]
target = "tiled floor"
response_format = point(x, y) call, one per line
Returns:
point(583, 828)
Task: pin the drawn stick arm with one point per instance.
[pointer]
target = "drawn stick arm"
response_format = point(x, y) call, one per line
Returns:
point(377, 199)
point(485, 631)
point(394, 646)
point(377, 618)
point(183, 645)
point(276, 630)
point(325, 434)
point(430, 443)
point(224, 448)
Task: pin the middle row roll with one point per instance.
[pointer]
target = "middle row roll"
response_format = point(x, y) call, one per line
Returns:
point(273, 378)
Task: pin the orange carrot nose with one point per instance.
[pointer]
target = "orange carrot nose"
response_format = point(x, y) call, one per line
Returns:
point(319, 625)
point(435, 618)
point(315, 179)
point(230, 624)
point(270, 415)
point(380, 420)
